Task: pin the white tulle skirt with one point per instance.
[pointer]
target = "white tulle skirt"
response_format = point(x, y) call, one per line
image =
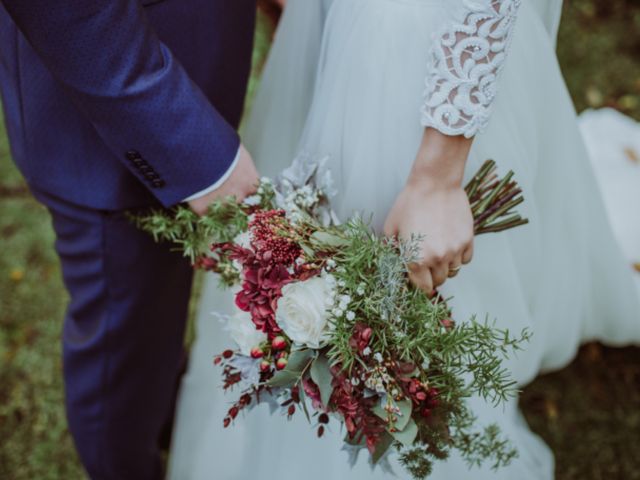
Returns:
point(345, 80)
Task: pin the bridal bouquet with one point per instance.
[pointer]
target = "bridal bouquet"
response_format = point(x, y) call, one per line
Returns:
point(328, 325)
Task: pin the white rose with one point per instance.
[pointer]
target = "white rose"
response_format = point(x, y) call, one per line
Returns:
point(243, 331)
point(302, 311)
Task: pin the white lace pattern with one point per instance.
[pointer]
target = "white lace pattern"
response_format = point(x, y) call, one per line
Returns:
point(464, 66)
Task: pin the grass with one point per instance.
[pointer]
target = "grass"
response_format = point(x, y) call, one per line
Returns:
point(589, 413)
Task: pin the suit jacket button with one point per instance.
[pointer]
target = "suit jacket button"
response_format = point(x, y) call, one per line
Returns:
point(158, 183)
point(133, 155)
point(145, 169)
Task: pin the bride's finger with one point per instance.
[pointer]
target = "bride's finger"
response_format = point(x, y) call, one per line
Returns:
point(455, 266)
point(421, 278)
point(467, 255)
point(440, 273)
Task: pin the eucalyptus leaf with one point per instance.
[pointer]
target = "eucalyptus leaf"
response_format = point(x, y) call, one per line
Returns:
point(283, 378)
point(379, 410)
point(355, 443)
point(308, 252)
point(299, 360)
point(329, 239)
point(406, 408)
point(408, 435)
point(403, 417)
point(384, 443)
point(321, 375)
point(303, 403)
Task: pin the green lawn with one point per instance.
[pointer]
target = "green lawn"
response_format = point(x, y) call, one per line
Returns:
point(589, 413)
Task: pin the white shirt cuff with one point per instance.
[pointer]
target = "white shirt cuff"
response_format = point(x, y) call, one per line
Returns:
point(218, 183)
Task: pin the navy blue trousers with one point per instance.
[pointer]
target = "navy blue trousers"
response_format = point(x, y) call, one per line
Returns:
point(122, 338)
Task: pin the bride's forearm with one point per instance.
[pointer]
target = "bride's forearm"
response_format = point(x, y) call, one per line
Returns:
point(440, 161)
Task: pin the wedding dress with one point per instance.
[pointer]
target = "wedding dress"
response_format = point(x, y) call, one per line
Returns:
point(346, 79)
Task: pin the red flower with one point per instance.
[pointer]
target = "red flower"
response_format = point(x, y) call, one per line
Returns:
point(361, 337)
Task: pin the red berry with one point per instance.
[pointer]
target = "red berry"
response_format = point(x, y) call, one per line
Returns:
point(233, 412)
point(256, 352)
point(217, 360)
point(281, 364)
point(323, 418)
point(447, 323)
point(227, 354)
point(320, 431)
point(265, 366)
point(291, 410)
point(279, 343)
point(226, 422)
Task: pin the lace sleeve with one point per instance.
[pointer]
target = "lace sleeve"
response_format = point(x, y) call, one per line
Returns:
point(464, 65)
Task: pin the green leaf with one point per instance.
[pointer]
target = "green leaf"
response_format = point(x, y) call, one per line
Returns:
point(329, 239)
point(379, 410)
point(308, 252)
point(321, 375)
point(299, 360)
point(383, 445)
point(406, 409)
point(283, 379)
point(352, 441)
point(408, 435)
point(403, 417)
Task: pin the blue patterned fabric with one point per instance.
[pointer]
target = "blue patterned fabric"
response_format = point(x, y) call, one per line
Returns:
point(122, 338)
point(115, 103)
point(110, 105)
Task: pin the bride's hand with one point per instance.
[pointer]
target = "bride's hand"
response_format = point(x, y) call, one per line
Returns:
point(435, 206)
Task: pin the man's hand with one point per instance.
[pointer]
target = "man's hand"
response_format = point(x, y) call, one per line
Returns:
point(434, 206)
point(242, 182)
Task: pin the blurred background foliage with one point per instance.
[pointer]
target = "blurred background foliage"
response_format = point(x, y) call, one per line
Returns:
point(589, 413)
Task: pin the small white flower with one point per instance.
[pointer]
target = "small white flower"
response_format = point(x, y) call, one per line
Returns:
point(351, 316)
point(378, 357)
point(355, 381)
point(338, 312)
point(366, 352)
point(360, 290)
point(253, 200)
point(341, 283)
point(243, 331)
point(345, 299)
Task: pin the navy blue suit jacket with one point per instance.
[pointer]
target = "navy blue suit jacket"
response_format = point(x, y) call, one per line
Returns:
point(113, 104)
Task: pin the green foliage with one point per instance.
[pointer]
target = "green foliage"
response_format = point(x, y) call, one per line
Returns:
point(193, 234)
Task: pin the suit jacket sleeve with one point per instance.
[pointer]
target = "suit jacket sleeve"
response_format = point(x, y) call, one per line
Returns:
point(137, 96)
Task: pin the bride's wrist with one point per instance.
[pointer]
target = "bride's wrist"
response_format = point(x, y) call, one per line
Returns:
point(440, 161)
